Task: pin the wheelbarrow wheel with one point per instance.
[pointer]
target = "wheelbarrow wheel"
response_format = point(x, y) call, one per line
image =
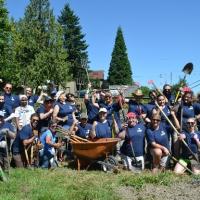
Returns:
point(110, 163)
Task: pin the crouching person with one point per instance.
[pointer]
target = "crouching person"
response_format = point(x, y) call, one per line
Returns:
point(6, 132)
point(133, 148)
point(48, 157)
point(191, 137)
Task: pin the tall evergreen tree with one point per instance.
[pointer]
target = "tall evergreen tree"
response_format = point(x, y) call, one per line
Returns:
point(74, 42)
point(120, 69)
point(5, 30)
point(38, 44)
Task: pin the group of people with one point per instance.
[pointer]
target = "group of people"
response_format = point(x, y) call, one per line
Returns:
point(163, 128)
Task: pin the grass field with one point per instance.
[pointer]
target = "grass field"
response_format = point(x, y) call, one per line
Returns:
point(84, 185)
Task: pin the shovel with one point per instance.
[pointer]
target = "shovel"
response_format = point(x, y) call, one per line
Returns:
point(187, 70)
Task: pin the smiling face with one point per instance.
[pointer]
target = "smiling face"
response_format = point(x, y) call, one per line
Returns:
point(34, 121)
point(161, 100)
point(191, 124)
point(102, 116)
point(187, 98)
point(8, 88)
point(132, 121)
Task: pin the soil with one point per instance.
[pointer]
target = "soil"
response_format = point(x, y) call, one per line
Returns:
point(179, 191)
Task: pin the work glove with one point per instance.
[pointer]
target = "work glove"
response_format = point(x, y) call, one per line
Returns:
point(3, 144)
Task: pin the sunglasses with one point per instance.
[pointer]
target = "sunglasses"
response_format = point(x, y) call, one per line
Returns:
point(192, 123)
point(157, 120)
point(8, 88)
point(35, 120)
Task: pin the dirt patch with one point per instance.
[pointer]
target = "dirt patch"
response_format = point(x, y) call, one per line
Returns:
point(178, 191)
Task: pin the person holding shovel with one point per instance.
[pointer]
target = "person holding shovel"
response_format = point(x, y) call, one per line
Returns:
point(192, 138)
point(133, 148)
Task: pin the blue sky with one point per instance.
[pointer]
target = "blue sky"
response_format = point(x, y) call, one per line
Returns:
point(161, 35)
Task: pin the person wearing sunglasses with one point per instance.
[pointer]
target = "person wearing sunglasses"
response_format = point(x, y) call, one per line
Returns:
point(22, 145)
point(158, 141)
point(48, 157)
point(167, 91)
point(192, 137)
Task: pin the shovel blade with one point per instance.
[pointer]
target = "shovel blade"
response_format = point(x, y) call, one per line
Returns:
point(187, 69)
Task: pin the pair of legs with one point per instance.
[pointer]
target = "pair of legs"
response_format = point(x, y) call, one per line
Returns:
point(127, 161)
point(180, 169)
point(159, 159)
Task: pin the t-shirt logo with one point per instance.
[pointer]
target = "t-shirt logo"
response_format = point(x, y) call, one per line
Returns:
point(12, 99)
point(162, 133)
point(139, 130)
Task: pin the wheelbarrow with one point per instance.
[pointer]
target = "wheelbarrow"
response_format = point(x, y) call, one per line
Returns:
point(95, 151)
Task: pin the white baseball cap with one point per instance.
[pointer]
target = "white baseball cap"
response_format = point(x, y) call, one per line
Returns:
point(103, 110)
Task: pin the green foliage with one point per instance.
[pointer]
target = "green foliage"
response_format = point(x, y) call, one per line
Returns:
point(37, 48)
point(120, 69)
point(140, 180)
point(5, 29)
point(74, 43)
point(181, 83)
point(145, 90)
point(70, 184)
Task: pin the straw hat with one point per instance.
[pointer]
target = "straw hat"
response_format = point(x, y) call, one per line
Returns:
point(138, 93)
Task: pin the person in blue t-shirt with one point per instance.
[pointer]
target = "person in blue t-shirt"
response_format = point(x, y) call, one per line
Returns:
point(10, 99)
point(48, 157)
point(45, 112)
point(6, 132)
point(102, 128)
point(135, 105)
point(186, 109)
point(23, 141)
point(83, 128)
point(92, 108)
point(158, 141)
point(133, 135)
point(191, 137)
point(167, 91)
point(63, 112)
point(150, 105)
point(7, 110)
point(32, 99)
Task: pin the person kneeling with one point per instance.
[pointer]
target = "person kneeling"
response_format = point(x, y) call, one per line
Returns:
point(133, 148)
point(48, 155)
point(191, 137)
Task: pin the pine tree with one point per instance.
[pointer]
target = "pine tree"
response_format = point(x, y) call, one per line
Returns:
point(74, 42)
point(120, 70)
point(38, 44)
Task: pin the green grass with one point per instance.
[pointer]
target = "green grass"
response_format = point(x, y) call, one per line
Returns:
point(70, 184)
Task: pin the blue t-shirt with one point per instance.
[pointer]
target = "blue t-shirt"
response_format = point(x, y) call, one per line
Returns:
point(8, 126)
point(160, 135)
point(32, 100)
point(112, 108)
point(137, 108)
point(103, 130)
point(25, 133)
point(149, 107)
point(136, 136)
point(11, 100)
point(43, 122)
point(83, 131)
point(92, 111)
point(191, 143)
point(47, 147)
point(65, 110)
point(7, 110)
